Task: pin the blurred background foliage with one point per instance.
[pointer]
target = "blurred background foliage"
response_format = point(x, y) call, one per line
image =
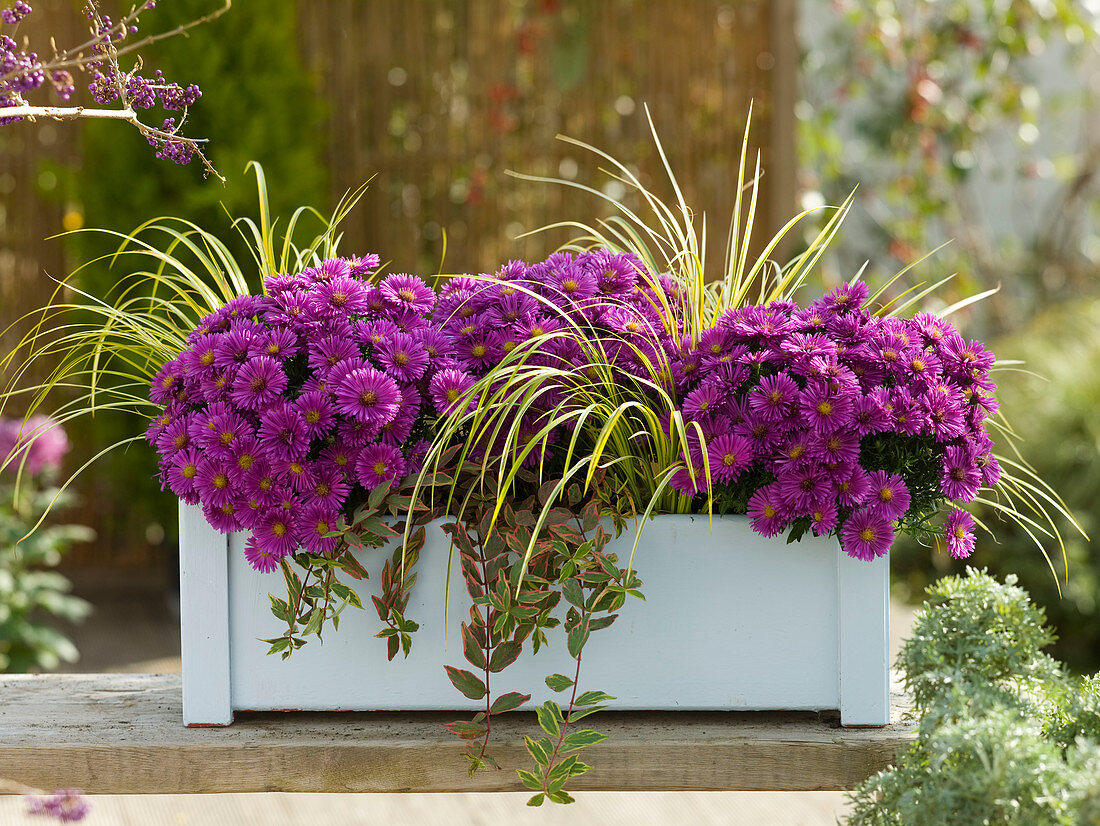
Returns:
point(974, 121)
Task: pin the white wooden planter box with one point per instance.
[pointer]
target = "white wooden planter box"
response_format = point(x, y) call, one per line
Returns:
point(731, 621)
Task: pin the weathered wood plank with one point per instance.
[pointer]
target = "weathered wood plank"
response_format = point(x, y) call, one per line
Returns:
point(124, 734)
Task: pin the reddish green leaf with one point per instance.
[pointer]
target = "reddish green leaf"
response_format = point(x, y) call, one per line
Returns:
point(466, 682)
point(504, 655)
point(466, 729)
point(508, 702)
point(475, 653)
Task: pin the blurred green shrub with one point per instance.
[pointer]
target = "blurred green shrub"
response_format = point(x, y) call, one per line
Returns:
point(1006, 736)
point(1056, 418)
point(28, 593)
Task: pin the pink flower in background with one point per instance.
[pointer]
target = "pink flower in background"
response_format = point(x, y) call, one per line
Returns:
point(40, 440)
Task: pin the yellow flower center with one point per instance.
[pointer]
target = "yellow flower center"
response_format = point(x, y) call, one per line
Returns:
point(406, 294)
point(379, 468)
point(824, 408)
point(867, 535)
point(368, 397)
point(279, 529)
point(188, 471)
point(220, 481)
point(244, 462)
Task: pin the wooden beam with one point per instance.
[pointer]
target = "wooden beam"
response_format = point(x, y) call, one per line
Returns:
point(124, 734)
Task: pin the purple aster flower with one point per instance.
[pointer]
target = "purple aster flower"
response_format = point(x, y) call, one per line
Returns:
point(259, 556)
point(277, 530)
point(172, 437)
point(959, 531)
point(332, 269)
point(331, 351)
point(961, 478)
point(341, 296)
point(368, 396)
point(329, 485)
point(764, 511)
point(802, 488)
point(318, 411)
point(407, 292)
point(908, 415)
point(167, 382)
point(221, 432)
point(447, 388)
point(774, 398)
point(245, 452)
point(214, 481)
point(365, 266)
point(945, 416)
point(379, 465)
point(278, 344)
point(260, 485)
point(704, 400)
point(868, 416)
point(729, 454)
point(258, 383)
point(866, 535)
point(224, 517)
point(571, 281)
point(512, 309)
point(889, 496)
point(319, 519)
point(338, 457)
point(839, 449)
point(199, 357)
point(296, 473)
point(824, 411)
point(233, 347)
point(283, 431)
point(848, 297)
point(179, 476)
point(403, 357)
point(436, 343)
point(854, 489)
point(615, 274)
point(824, 517)
point(481, 349)
point(691, 478)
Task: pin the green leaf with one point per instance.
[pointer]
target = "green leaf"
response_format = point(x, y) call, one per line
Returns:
point(539, 750)
point(346, 594)
point(508, 702)
point(572, 592)
point(529, 779)
point(466, 729)
point(550, 719)
point(475, 654)
point(578, 714)
point(590, 698)
point(504, 655)
point(582, 738)
point(558, 682)
point(278, 644)
point(576, 639)
point(536, 800)
point(279, 608)
point(466, 682)
point(561, 797)
point(316, 620)
point(601, 622)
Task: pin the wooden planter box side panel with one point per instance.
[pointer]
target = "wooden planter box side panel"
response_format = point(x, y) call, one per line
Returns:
point(731, 621)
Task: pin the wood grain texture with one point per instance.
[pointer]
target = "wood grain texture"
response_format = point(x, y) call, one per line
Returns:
point(121, 734)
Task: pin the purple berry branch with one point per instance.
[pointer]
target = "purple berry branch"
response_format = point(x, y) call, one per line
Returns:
point(23, 72)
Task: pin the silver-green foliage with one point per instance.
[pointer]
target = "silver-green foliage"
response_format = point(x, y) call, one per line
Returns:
point(29, 592)
point(1006, 736)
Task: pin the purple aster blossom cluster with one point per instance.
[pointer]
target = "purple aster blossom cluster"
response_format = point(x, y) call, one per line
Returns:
point(286, 410)
point(42, 438)
point(66, 805)
point(23, 72)
point(607, 300)
point(812, 408)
